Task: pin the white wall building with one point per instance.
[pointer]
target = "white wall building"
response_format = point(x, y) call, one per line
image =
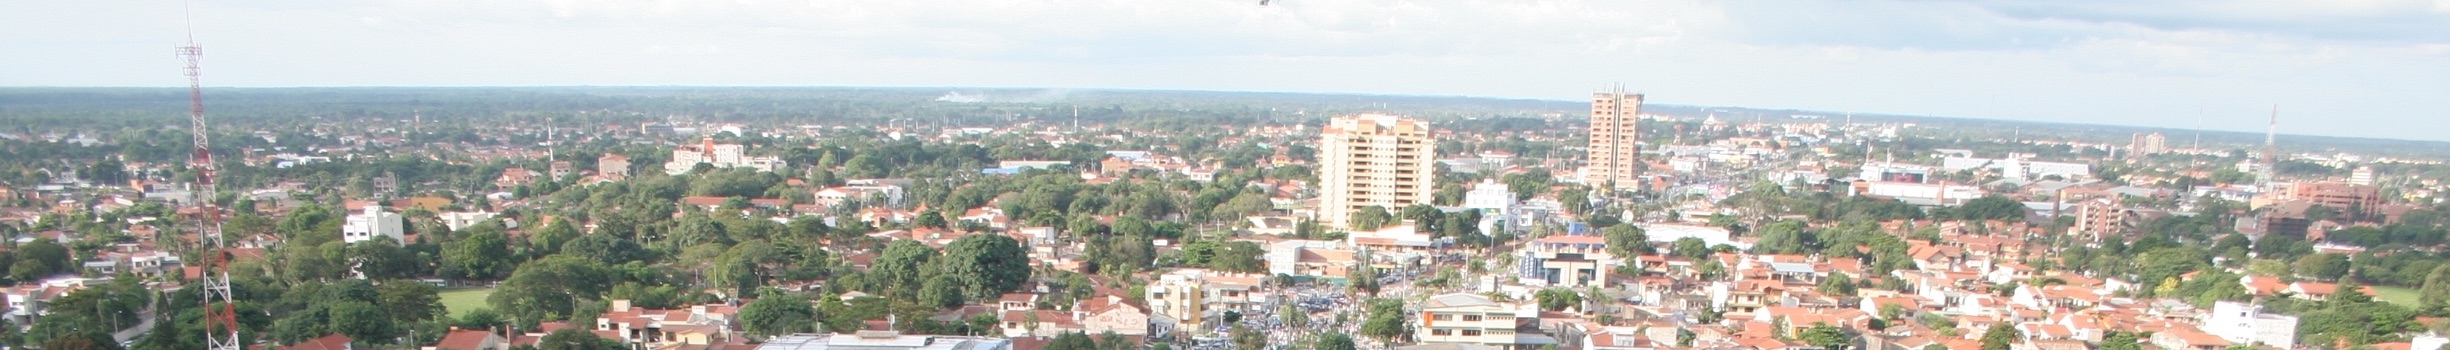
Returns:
point(373, 223)
point(462, 220)
point(2246, 323)
point(720, 155)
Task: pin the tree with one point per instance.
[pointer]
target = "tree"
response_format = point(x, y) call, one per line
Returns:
point(1992, 207)
point(2436, 291)
point(482, 255)
point(550, 239)
point(361, 320)
point(1784, 237)
point(985, 266)
point(1071, 341)
point(1838, 284)
point(549, 288)
point(1335, 341)
point(1557, 299)
point(1387, 321)
point(1371, 218)
point(2117, 340)
point(2323, 266)
point(480, 318)
point(410, 302)
point(900, 266)
point(1691, 248)
point(577, 338)
point(1826, 337)
point(38, 259)
point(1246, 338)
point(92, 340)
point(1626, 240)
point(605, 248)
point(776, 314)
point(1999, 337)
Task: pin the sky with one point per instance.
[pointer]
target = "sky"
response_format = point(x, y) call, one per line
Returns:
point(2366, 68)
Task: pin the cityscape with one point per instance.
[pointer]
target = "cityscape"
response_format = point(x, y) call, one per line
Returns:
point(567, 215)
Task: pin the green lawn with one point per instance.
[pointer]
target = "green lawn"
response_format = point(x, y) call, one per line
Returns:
point(2396, 295)
point(459, 301)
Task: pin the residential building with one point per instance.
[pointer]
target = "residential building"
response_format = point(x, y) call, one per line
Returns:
point(1570, 261)
point(720, 155)
point(374, 223)
point(659, 328)
point(1373, 160)
point(881, 340)
point(2243, 323)
point(2146, 144)
point(1295, 257)
point(2342, 196)
point(1192, 297)
point(460, 220)
point(2362, 176)
point(470, 339)
point(1464, 318)
point(1112, 313)
point(1615, 152)
point(613, 166)
point(335, 341)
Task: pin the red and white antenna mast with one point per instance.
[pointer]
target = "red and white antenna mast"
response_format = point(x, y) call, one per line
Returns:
point(220, 316)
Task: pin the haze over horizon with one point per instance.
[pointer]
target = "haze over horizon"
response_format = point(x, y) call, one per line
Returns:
point(2359, 68)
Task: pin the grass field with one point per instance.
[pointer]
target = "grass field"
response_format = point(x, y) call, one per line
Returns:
point(2396, 295)
point(459, 301)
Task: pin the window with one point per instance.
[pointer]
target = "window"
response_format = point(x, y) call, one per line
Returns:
point(1471, 318)
point(1441, 332)
point(1448, 317)
point(1471, 332)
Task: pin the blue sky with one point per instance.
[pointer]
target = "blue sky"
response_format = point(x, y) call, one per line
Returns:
point(2346, 68)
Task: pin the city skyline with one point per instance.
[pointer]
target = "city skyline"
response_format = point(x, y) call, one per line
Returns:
point(2207, 65)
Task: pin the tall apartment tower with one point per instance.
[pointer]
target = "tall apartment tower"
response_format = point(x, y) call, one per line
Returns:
point(1373, 159)
point(2145, 144)
point(1613, 153)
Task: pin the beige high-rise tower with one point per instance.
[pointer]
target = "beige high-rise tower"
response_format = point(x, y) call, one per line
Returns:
point(1614, 155)
point(1373, 159)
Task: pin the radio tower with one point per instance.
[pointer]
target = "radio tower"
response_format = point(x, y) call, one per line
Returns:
point(2271, 150)
point(220, 317)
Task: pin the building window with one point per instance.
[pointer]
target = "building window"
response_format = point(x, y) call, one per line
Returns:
point(1471, 332)
point(1471, 318)
point(1440, 332)
point(1447, 317)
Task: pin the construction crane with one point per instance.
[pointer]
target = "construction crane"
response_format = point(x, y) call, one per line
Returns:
point(220, 316)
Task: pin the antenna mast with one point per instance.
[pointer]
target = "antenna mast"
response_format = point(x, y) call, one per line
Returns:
point(220, 321)
point(2271, 149)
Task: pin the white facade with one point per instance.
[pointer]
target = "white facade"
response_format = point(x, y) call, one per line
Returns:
point(373, 223)
point(1489, 195)
point(462, 220)
point(1937, 193)
point(2244, 323)
point(1713, 236)
point(720, 155)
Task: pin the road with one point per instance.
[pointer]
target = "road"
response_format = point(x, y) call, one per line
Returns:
point(144, 322)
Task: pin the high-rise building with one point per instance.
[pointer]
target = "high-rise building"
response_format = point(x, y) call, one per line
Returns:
point(1614, 155)
point(2145, 144)
point(1373, 160)
point(2362, 176)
